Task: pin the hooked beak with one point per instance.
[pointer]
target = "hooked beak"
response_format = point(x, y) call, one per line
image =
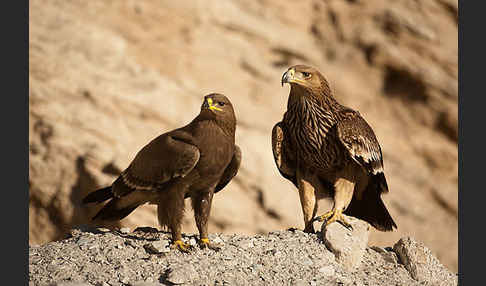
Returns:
point(288, 76)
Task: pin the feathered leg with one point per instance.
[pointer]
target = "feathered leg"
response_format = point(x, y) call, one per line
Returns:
point(170, 211)
point(343, 193)
point(308, 201)
point(201, 204)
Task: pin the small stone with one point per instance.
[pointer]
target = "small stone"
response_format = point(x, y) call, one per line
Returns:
point(124, 280)
point(181, 275)
point(125, 230)
point(157, 247)
point(84, 242)
point(131, 243)
point(300, 283)
point(327, 270)
point(347, 245)
point(218, 240)
point(70, 284)
point(307, 261)
point(192, 241)
point(388, 256)
point(35, 259)
point(421, 263)
point(145, 283)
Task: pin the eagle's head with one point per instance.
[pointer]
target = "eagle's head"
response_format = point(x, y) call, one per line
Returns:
point(306, 78)
point(218, 107)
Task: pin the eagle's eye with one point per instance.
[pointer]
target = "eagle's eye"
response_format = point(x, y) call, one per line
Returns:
point(221, 103)
point(306, 74)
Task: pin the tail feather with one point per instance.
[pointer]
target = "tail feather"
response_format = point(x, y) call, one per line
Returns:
point(371, 207)
point(98, 196)
point(119, 208)
point(111, 211)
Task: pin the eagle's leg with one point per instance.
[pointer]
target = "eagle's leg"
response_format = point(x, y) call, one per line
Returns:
point(201, 203)
point(308, 201)
point(170, 212)
point(342, 197)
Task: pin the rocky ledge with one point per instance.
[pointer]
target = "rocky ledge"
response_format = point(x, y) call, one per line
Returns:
point(333, 256)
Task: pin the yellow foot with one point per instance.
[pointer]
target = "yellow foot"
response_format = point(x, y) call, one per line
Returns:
point(205, 243)
point(183, 247)
point(332, 216)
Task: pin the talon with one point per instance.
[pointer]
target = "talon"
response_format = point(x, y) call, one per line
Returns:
point(345, 223)
point(333, 216)
point(324, 217)
point(183, 247)
point(205, 243)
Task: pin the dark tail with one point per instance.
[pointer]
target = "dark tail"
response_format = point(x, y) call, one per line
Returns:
point(112, 211)
point(98, 196)
point(119, 206)
point(371, 207)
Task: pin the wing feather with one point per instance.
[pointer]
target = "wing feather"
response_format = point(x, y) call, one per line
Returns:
point(282, 154)
point(168, 156)
point(361, 143)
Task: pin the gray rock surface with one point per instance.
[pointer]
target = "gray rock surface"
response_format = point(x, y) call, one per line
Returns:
point(347, 245)
point(420, 262)
point(289, 257)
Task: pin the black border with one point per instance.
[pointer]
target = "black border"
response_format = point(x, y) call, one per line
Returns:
point(15, 138)
point(471, 122)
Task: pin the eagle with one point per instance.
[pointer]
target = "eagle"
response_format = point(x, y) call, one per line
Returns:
point(194, 161)
point(328, 150)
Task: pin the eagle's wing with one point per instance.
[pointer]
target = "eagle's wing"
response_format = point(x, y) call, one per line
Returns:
point(168, 156)
point(360, 141)
point(231, 170)
point(282, 155)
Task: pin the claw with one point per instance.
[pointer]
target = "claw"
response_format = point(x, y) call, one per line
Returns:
point(183, 247)
point(332, 216)
point(205, 243)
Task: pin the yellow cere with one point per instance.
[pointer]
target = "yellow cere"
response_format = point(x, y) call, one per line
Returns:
point(211, 106)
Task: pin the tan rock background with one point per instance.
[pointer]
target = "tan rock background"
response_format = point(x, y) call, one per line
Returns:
point(105, 77)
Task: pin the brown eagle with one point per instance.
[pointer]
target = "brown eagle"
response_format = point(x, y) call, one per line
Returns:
point(194, 161)
point(328, 150)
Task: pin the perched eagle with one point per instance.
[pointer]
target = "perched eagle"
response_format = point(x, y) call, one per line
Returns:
point(194, 161)
point(328, 150)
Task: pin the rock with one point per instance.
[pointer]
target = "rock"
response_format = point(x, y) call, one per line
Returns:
point(125, 230)
point(327, 270)
point(218, 240)
point(388, 256)
point(347, 245)
point(157, 247)
point(422, 264)
point(143, 283)
point(70, 284)
point(192, 241)
point(302, 259)
point(181, 275)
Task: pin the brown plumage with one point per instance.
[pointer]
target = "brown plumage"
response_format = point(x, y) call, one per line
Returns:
point(328, 150)
point(194, 161)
